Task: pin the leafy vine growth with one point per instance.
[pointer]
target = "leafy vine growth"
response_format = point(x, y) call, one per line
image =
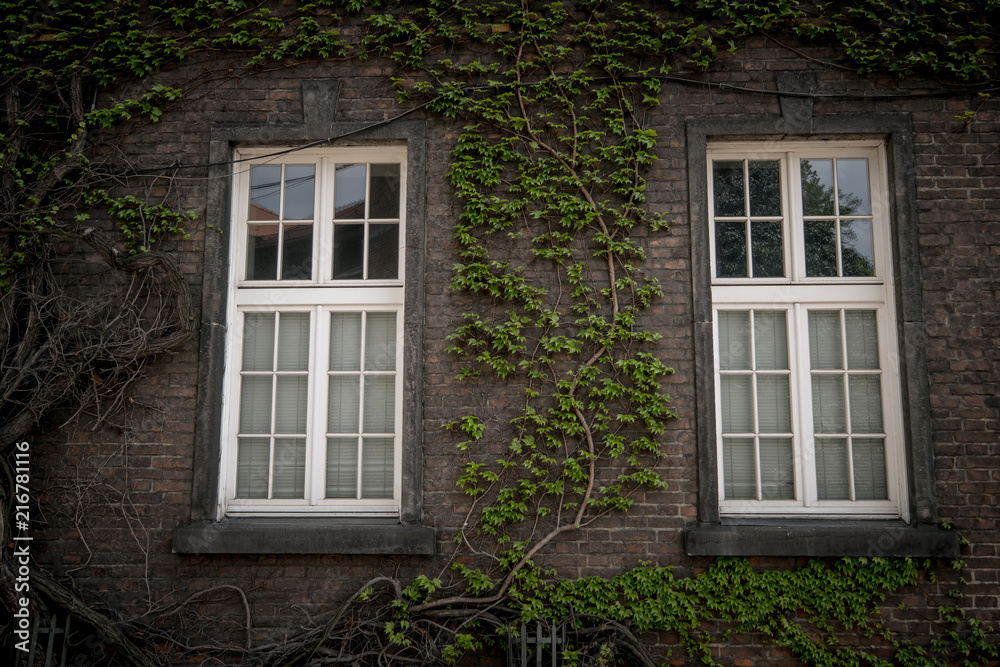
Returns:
point(550, 170)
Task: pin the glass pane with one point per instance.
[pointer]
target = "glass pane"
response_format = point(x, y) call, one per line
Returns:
point(262, 252)
point(777, 475)
point(852, 187)
point(289, 468)
point(866, 403)
point(251, 467)
point(869, 469)
point(862, 339)
point(727, 179)
point(293, 342)
point(774, 413)
point(770, 340)
point(383, 252)
point(300, 184)
point(737, 404)
point(297, 252)
point(734, 340)
point(828, 404)
point(348, 252)
point(380, 342)
point(817, 187)
point(258, 341)
point(290, 402)
point(349, 192)
point(824, 340)
point(739, 469)
point(821, 248)
point(344, 409)
point(385, 191)
point(831, 470)
point(856, 248)
point(767, 249)
point(380, 403)
point(730, 250)
point(765, 188)
point(341, 467)
point(376, 468)
point(255, 404)
point(265, 192)
point(345, 342)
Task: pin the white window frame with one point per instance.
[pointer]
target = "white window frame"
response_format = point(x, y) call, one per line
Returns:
point(796, 294)
point(320, 296)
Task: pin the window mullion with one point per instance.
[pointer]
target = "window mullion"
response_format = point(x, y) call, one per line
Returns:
point(316, 439)
point(806, 434)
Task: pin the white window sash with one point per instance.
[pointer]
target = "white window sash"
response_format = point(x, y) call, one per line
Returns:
point(796, 294)
point(320, 296)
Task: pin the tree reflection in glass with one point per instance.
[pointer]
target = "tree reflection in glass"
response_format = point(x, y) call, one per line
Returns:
point(856, 247)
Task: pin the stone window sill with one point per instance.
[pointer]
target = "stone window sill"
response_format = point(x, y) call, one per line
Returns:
point(820, 539)
point(304, 535)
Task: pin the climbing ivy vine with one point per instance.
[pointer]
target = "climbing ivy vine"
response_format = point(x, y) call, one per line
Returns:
point(550, 169)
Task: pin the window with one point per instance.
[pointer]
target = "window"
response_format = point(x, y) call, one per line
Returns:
point(807, 396)
point(312, 408)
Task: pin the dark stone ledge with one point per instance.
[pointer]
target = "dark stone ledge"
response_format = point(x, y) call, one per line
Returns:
point(820, 539)
point(304, 535)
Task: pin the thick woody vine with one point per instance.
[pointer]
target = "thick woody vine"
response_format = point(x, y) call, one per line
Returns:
point(550, 172)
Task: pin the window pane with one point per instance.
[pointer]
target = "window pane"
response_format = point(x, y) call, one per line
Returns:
point(730, 250)
point(380, 403)
point(252, 467)
point(258, 341)
point(770, 340)
point(293, 342)
point(341, 467)
point(817, 187)
point(737, 404)
point(739, 469)
point(300, 183)
point(265, 192)
point(262, 252)
point(289, 468)
point(344, 409)
point(728, 186)
point(255, 404)
point(380, 342)
point(821, 248)
point(831, 469)
point(297, 252)
point(349, 192)
point(852, 187)
point(869, 469)
point(866, 403)
point(862, 339)
point(773, 408)
point(348, 252)
point(734, 340)
point(290, 403)
point(828, 404)
point(824, 340)
point(385, 191)
point(765, 188)
point(376, 468)
point(345, 342)
point(767, 249)
point(383, 252)
point(777, 475)
point(856, 248)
